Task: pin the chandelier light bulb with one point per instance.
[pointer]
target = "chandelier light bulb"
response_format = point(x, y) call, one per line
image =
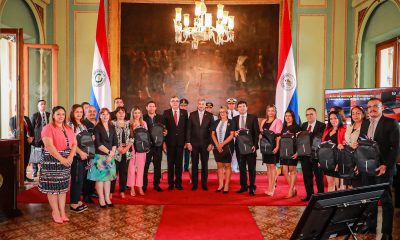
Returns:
point(220, 11)
point(186, 19)
point(225, 18)
point(231, 22)
point(178, 14)
point(197, 9)
point(208, 20)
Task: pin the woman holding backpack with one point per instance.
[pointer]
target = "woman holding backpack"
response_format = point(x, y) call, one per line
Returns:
point(271, 123)
point(79, 162)
point(138, 159)
point(289, 164)
point(335, 133)
point(123, 153)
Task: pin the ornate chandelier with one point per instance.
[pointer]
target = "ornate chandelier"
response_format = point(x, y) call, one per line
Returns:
point(203, 30)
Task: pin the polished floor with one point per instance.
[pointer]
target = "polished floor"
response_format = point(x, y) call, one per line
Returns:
point(138, 222)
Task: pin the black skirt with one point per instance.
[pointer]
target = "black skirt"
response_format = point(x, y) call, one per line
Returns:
point(289, 162)
point(225, 156)
point(270, 158)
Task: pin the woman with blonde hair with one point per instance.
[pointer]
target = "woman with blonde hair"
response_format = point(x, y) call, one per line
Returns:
point(273, 124)
point(222, 133)
point(138, 160)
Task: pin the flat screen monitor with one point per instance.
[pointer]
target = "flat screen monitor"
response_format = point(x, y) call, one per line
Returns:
point(334, 214)
point(348, 98)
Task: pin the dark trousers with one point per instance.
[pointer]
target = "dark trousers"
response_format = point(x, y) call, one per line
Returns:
point(397, 187)
point(204, 155)
point(154, 156)
point(77, 179)
point(386, 200)
point(186, 155)
point(310, 169)
point(27, 154)
point(88, 185)
point(174, 160)
point(122, 172)
point(35, 169)
point(250, 161)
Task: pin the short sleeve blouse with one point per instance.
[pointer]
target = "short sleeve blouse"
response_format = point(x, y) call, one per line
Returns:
point(58, 137)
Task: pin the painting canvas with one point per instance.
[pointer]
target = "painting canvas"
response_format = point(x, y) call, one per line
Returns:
point(154, 67)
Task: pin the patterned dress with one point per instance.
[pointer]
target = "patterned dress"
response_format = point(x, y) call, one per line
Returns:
point(54, 176)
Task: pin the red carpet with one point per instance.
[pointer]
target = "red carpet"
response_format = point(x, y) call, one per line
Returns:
point(199, 197)
point(207, 222)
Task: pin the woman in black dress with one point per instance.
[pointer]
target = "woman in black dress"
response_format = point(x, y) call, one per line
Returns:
point(289, 165)
point(222, 135)
point(273, 124)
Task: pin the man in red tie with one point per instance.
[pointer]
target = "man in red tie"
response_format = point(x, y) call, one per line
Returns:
point(175, 122)
point(308, 164)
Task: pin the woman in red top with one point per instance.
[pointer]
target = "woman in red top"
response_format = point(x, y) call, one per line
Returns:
point(335, 133)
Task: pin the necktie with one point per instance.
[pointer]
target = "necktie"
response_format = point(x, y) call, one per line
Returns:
point(309, 128)
point(176, 118)
point(44, 121)
point(230, 114)
point(201, 117)
point(371, 128)
point(242, 123)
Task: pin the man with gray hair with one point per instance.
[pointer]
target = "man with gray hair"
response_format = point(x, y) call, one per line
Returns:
point(198, 141)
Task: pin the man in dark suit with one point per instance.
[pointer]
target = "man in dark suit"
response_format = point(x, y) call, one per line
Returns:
point(247, 121)
point(118, 102)
point(309, 165)
point(184, 104)
point(198, 140)
point(385, 131)
point(28, 139)
point(155, 153)
point(39, 120)
point(175, 122)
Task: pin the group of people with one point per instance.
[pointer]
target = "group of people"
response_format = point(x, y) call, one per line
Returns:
point(63, 163)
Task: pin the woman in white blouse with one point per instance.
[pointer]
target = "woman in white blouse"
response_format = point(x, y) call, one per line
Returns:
point(352, 134)
point(222, 134)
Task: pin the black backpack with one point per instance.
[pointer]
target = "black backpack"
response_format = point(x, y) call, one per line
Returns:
point(287, 142)
point(157, 134)
point(245, 141)
point(327, 156)
point(86, 143)
point(315, 146)
point(142, 142)
point(267, 142)
point(346, 163)
point(303, 145)
point(367, 156)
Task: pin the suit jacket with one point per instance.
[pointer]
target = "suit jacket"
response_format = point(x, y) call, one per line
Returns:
point(231, 126)
point(176, 134)
point(13, 128)
point(252, 125)
point(36, 120)
point(387, 137)
point(199, 134)
point(318, 129)
point(101, 138)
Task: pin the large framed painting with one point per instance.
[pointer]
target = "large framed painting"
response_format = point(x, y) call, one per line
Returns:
point(154, 67)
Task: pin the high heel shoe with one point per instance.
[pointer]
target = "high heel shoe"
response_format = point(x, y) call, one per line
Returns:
point(56, 219)
point(219, 189)
point(133, 193)
point(65, 219)
point(122, 195)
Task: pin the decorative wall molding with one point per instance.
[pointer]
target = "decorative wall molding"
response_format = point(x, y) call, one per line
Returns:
point(301, 4)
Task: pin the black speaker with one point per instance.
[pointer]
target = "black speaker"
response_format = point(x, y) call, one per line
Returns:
point(9, 155)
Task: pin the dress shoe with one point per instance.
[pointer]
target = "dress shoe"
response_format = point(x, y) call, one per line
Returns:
point(88, 200)
point(170, 187)
point(242, 190)
point(306, 199)
point(386, 237)
point(194, 188)
point(205, 188)
point(179, 187)
point(158, 189)
point(251, 192)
